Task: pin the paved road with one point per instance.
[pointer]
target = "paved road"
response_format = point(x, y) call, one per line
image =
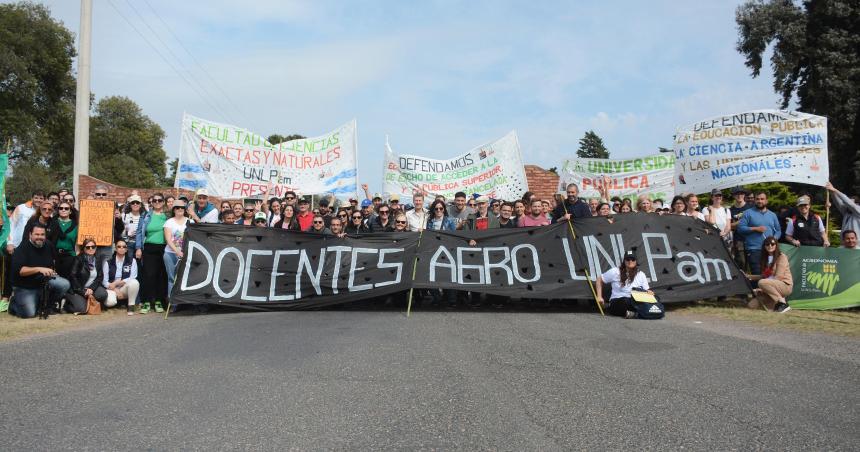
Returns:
point(439, 380)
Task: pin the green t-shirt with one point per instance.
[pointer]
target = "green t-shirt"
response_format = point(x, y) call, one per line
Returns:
point(71, 232)
point(155, 229)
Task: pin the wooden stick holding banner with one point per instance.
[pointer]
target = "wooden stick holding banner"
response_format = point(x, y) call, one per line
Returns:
point(827, 216)
point(414, 269)
point(587, 276)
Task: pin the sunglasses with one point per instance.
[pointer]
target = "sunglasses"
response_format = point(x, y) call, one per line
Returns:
point(290, 197)
point(343, 215)
point(69, 199)
point(400, 222)
point(439, 208)
point(383, 212)
point(770, 244)
point(101, 195)
point(178, 207)
point(249, 210)
point(259, 221)
point(48, 210)
point(61, 209)
point(318, 222)
point(135, 202)
point(121, 247)
point(90, 247)
point(157, 199)
point(356, 218)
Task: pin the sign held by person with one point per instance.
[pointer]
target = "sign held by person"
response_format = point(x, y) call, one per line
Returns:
point(625, 178)
point(231, 162)
point(96, 221)
point(751, 147)
point(494, 169)
point(824, 278)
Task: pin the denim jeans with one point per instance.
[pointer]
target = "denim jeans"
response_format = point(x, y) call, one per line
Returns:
point(25, 300)
point(170, 261)
point(754, 261)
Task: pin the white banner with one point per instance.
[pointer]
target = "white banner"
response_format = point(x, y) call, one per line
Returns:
point(751, 147)
point(627, 178)
point(494, 169)
point(231, 162)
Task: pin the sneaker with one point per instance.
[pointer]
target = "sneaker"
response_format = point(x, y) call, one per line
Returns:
point(144, 308)
point(4, 305)
point(782, 308)
point(130, 312)
point(158, 307)
point(630, 315)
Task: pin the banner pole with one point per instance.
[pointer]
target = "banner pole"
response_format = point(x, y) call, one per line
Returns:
point(827, 216)
point(414, 268)
point(587, 276)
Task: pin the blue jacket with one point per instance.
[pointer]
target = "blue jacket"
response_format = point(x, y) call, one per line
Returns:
point(140, 236)
point(447, 224)
point(754, 217)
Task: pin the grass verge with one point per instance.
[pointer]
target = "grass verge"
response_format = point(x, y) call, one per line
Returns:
point(844, 322)
point(12, 327)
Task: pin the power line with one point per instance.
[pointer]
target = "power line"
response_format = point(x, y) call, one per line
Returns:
point(194, 59)
point(178, 60)
point(191, 85)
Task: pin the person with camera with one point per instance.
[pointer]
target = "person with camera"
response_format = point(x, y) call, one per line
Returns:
point(32, 269)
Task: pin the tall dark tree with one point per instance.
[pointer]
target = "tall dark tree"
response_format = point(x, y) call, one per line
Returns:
point(591, 147)
point(816, 60)
point(125, 145)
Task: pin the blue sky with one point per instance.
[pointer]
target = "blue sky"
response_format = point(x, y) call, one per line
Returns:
point(438, 77)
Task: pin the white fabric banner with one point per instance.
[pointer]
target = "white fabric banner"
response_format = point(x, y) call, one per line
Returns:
point(231, 162)
point(627, 178)
point(494, 169)
point(751, 147)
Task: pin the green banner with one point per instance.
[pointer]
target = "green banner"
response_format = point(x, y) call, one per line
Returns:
point(4, 165)
point(824, 278)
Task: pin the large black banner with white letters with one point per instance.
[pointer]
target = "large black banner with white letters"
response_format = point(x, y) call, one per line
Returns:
point(683, 258)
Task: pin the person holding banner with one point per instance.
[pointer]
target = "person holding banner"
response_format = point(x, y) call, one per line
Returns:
point(644, 205)
point(288, 219)
point(775, 282)
point(506, 219)
point(460, 211)
point(357, 225)
point(806, 228)
point(536, 216)
point(382, 222)
point(439, 219)
point(174, 237)
point(679, 206)
point(305, 217)
point(757, 224)
point(693, 206)
point(572, 207)
point(846, 206)
point(482, 219)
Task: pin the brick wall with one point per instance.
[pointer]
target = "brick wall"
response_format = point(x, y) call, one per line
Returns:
point(543, 183)
point(119, 193)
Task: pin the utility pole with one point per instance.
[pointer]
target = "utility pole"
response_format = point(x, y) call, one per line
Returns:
point(82, 101)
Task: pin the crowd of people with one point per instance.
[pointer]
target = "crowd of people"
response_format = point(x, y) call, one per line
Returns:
point(43, 258)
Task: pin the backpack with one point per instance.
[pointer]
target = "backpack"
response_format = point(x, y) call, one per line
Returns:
point(648, 311)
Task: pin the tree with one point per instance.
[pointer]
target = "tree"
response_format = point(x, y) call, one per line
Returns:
point(591, 147)
point(816, 57)
point(277, 139)
point(37, 88)
point(125, 145)
point(172, 169)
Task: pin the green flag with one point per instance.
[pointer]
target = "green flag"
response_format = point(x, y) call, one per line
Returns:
point(4, 162)
point(824, 278)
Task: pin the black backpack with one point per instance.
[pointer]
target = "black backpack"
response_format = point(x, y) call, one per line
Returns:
point(648, 311)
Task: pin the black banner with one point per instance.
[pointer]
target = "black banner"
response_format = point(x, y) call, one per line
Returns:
point(683, 258)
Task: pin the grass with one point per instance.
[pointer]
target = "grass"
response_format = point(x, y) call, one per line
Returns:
point(844, 322)
point(12, 327)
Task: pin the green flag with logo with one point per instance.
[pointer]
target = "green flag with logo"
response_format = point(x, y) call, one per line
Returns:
point(824, 278)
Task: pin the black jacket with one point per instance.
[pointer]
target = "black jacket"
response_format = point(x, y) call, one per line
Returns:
point(81, 273)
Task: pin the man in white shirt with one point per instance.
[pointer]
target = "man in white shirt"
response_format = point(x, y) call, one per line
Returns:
point(19, 219)
point(417, 217)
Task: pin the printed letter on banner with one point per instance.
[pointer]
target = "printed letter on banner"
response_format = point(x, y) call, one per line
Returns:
point(493, 169)
point(751, 147)
point(230, 162)
point(627, 178)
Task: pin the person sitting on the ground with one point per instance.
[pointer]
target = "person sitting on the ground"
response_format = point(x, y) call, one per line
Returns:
point(536, 217)
point(775, 282)
point(849, 239)
point(849, 208)
point(623, 280)
point(32, 262)
point(86, 279)
point(805, 228)
point(120, 277)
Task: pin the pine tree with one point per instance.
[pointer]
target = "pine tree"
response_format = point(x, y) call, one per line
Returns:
point(591, 147)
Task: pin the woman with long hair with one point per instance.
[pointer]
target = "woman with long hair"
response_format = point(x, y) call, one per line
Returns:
point(775, 282)
point(120, 277)
point(174, 237)
point(85, 279)
point(623, 279)
point(439, 219)
point(356, 224)
point(679, 206)
point(288, 219)
point(149, 249)
point(274, 214)
point(644, 204)
point(64, 237)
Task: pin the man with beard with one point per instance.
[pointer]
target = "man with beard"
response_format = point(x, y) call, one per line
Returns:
point(32, 262)
point(459, 211)
point(572, 207)
point(756, 225)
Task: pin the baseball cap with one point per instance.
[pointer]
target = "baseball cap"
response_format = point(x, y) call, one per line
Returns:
point(133, 198)
point(630, 256)
point(803, 200)
point(366, 203)
point(482, 199)
point(201, 192)
point(394, 198)
point(259, 216)
point(739, 189)
point(716, 192)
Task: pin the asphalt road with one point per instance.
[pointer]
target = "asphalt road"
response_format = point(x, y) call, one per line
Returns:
point(438, 380)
